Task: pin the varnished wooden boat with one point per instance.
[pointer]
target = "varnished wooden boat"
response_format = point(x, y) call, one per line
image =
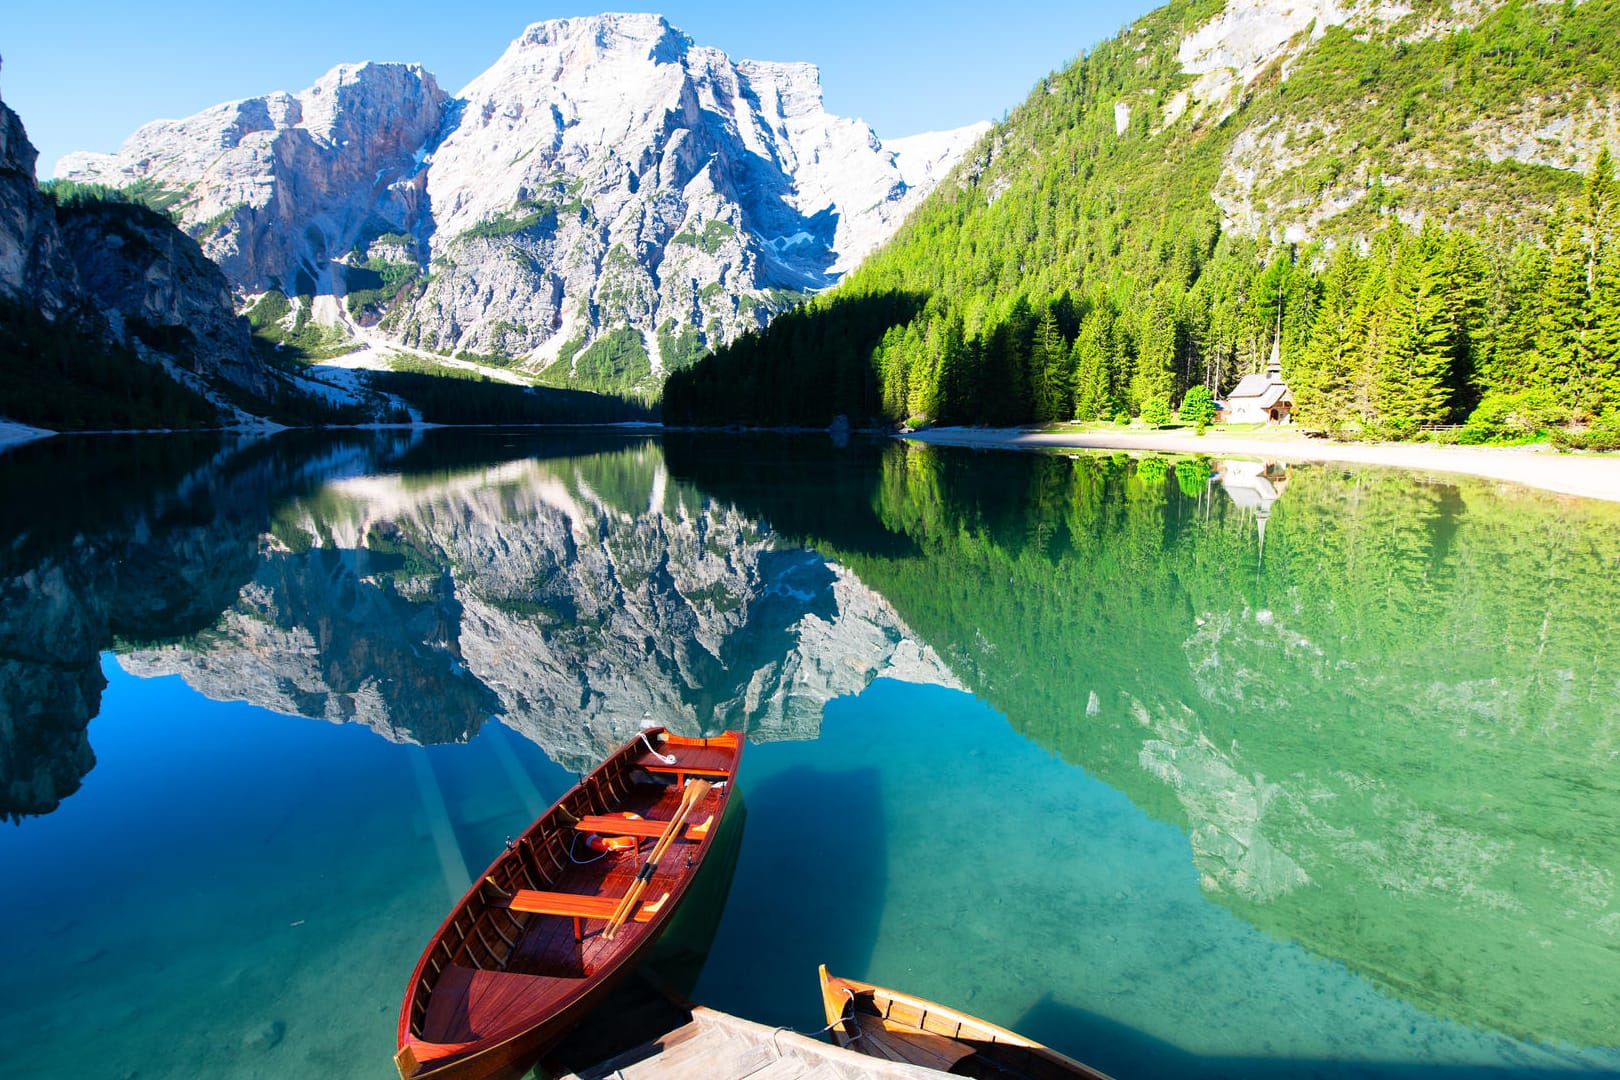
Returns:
point(887, 1024)
point(538, 939)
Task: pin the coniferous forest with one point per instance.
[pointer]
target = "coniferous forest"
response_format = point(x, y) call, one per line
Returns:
point(1078, 266)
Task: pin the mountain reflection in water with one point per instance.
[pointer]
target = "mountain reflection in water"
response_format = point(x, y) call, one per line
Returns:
point(564, 586)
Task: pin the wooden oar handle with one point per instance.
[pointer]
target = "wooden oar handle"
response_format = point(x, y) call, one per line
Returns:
point(690, 797)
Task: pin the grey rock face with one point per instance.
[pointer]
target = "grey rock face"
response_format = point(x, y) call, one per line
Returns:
point(161, 290)
point(34, 268)
point(280, 186)
point(604, 174)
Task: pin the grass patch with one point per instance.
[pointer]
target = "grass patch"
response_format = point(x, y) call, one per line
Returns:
point(529, 215)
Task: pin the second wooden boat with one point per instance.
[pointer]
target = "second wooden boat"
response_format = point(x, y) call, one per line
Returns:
point(887, 1024)
point(566, 910)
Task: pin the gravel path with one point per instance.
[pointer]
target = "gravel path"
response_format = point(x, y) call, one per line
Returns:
point(1595, 476)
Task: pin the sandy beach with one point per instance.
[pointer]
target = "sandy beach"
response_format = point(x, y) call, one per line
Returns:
point(1593, 476)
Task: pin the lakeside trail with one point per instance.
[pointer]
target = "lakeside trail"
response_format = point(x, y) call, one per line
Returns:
point(1592, 476)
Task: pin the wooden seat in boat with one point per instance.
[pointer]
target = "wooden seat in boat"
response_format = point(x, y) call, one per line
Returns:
point(579, 908)
point(609, 825)
point(712, 760)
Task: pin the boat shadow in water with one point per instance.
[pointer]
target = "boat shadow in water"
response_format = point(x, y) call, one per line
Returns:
point(810, 888)
point(1121, 1050)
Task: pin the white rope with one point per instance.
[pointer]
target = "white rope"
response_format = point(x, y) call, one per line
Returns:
point(667, 759)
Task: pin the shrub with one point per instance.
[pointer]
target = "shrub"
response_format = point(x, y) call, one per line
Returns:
point(1198, 407)
point(1501, 416)
point(1156, 412)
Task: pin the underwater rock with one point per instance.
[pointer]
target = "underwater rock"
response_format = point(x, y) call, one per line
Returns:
point(265, 1036)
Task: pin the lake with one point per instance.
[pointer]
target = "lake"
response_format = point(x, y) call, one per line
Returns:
point(1186, 767)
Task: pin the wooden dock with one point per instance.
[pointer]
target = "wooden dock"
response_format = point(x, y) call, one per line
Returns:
point(717, 1046)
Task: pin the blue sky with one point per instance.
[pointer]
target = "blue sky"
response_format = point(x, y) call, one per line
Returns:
point(85, 75)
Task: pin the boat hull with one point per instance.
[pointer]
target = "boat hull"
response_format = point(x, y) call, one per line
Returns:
point(552, 926)
point(885, 1023)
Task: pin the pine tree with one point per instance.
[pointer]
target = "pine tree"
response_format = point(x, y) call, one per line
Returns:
point(1571, 349)
point(1603, 271)
point(1155, 374)
point(1464, 275)
point(1370, 331)
point(892, 369)
point(1606, 327)
point(1049, 367)
point(1564, 325)
point(925, 382)
point(951, 402)
point(1321, 374)
point(1415, 365)
point(1518, 273)
point(1091, 362)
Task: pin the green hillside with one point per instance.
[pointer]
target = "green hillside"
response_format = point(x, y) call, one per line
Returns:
point(1420, 209)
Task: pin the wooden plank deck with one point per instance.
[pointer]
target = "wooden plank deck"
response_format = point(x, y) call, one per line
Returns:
point(718, 1046)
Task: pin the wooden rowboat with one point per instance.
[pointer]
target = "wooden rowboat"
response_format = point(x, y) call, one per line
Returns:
point(548, 929)
point(899, 1027)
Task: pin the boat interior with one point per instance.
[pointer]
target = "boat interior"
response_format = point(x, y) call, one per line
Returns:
point(534, 930)
point(897, 1030)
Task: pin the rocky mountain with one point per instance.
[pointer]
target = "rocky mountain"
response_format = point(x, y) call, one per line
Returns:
point(125, 304)
point(601, 205)
point(1314, 83)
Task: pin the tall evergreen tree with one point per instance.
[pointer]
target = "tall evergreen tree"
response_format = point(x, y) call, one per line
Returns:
point(1093, 348)
point(1155, 374)
point(1464, 273)
point(1320, 375)
point(1414, 368)
point(1049, 368)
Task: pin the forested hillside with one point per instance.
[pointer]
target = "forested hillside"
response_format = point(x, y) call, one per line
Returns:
point(1420, 205)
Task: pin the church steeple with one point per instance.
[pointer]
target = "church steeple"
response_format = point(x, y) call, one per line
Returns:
point(1274, 365)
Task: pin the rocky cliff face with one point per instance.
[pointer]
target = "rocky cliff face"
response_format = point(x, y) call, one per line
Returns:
point(1291, 168)
point(153, 285)
point(34, 268)
point(278, 186)
point(529, 593)
point(606, 174)
point(117, 274)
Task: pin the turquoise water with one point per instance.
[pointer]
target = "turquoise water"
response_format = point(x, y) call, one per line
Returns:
point(1346, 805)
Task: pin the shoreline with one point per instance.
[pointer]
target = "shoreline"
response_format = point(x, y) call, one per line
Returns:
point(1540, 467)
point(1587, 476)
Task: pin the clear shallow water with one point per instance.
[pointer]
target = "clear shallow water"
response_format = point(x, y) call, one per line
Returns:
point(1349, 808)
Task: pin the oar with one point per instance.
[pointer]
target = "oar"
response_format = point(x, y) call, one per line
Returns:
point(689, 798)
